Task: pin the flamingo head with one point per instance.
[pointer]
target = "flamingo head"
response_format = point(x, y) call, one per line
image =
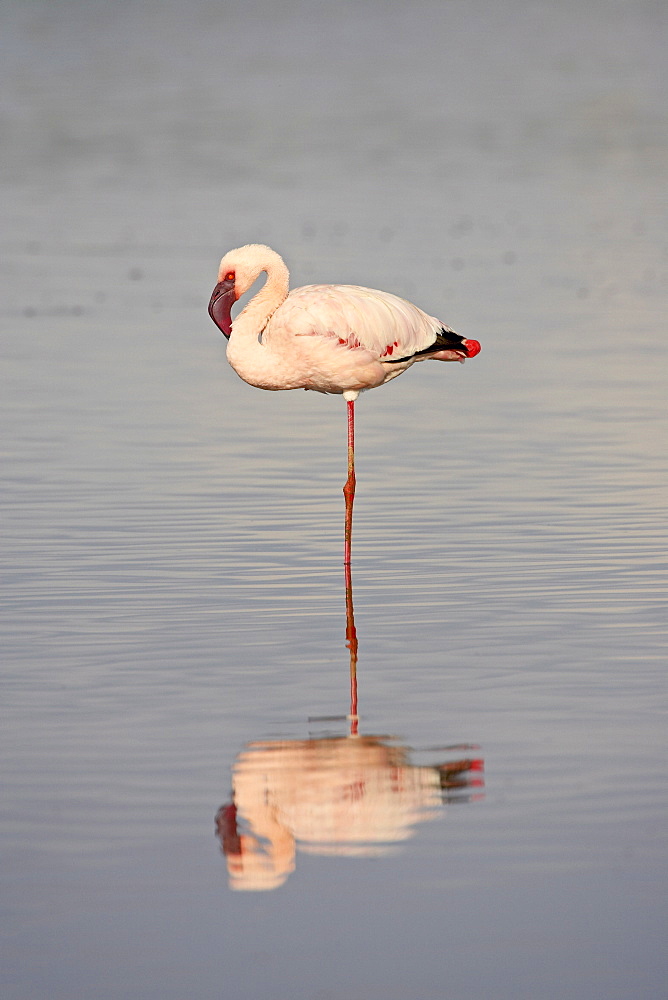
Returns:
point(239, 269)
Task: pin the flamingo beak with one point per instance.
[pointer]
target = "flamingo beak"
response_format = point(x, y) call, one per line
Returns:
point(222, 299)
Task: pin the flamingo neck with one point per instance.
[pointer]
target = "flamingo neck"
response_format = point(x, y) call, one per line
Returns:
point(249, 356)
point(253, 318)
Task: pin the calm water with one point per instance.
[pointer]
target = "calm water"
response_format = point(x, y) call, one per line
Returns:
point(184, 810)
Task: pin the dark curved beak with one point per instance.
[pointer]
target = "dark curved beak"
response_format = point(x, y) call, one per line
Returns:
point(222, 299)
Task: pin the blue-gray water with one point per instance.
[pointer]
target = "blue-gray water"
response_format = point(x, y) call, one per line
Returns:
point(172, 582)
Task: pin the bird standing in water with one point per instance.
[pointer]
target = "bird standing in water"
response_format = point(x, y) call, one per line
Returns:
point(339, 339)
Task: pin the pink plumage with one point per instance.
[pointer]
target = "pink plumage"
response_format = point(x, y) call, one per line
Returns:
point(330, 338)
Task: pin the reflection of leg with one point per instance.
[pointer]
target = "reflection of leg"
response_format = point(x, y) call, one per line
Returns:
point(351, 643)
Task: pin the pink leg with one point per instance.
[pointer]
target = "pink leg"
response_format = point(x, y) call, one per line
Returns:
point(351, 634)
point(349, 488)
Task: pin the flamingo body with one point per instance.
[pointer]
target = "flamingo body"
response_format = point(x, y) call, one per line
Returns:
point(330, 338)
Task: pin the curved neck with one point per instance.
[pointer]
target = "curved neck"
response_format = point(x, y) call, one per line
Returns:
point(255, 315)
point(252, 360)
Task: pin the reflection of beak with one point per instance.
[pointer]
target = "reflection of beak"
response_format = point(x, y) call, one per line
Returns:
point(226, 824)
point(222, 299)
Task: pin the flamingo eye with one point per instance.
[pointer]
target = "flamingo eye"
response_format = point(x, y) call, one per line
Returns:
point(229, 276)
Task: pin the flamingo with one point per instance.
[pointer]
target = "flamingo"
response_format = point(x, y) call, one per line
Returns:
point(341, 339)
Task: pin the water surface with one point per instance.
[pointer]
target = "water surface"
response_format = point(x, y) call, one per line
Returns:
point(173, 595)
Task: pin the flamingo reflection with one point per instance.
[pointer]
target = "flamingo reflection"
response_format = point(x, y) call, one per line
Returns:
point(352, 796)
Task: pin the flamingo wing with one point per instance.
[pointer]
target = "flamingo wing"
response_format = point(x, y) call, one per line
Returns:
point(386, 325)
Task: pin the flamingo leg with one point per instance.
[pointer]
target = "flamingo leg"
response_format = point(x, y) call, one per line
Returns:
point(349, 488)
